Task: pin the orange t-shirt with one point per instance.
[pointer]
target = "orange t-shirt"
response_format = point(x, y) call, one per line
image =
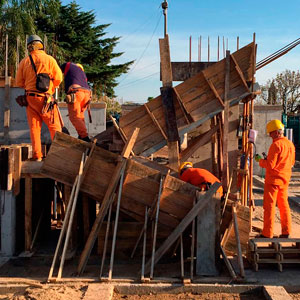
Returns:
point(199, 177)
point(279, 163)
point(44, 63)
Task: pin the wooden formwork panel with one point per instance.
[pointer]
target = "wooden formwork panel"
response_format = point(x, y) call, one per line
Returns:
point(200, 95)
point(140, 187)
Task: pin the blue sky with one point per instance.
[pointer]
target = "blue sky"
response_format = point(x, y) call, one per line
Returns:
point(140, 24)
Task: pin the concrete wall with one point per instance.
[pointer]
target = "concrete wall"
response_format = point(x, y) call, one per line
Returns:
point(19, 131)
point(262, 115)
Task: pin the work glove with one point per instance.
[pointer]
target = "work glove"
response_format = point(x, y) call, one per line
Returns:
point(257, 158)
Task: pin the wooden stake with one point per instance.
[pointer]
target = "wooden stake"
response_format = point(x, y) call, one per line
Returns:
point(228, 264)
point(181, 258)
point(28, 213)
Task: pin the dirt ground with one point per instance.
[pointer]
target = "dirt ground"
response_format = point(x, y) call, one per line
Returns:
point(190, 296)
point(60, 292)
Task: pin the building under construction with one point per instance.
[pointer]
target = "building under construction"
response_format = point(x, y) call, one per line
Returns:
point(111, 209)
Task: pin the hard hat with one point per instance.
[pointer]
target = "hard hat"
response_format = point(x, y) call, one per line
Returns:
point(80, 66)
point(185, 164)
point(274, 125)
point(33, 38)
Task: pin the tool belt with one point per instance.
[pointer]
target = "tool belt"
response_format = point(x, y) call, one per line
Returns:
point(71, 99)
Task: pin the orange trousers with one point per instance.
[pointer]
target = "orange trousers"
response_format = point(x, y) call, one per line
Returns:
point(276, 194)
point(76, 112)
point(35, 119)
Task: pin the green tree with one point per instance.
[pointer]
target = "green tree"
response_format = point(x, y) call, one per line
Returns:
point(284, 89)
point(78, 39)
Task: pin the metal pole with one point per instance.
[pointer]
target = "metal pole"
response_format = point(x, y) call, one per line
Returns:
point(190, 60)
point(164, 6)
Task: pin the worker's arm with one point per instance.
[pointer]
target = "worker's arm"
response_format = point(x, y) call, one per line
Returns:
point(56, 74)
point(271, 160)
point(20, 81)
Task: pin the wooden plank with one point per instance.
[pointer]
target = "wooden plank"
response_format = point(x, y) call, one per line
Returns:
point(202, 201)
point(188, 117)
point(197, 143)
point(211, 85)
point(173, 154)
point(17, 170)
point(107, 201)
point(182, 71)
point(28, 213)
point(155, 121)
point(239, 71)
point(165, 59)
point(225, 173)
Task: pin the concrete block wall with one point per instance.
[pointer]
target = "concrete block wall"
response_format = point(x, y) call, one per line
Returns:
point(19, 131)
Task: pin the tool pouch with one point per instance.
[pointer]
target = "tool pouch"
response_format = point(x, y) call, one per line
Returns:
point(70, 98)
point(21, 100)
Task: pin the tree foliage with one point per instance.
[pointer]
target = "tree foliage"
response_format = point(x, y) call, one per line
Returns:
point(284, 89)
point(70, 34)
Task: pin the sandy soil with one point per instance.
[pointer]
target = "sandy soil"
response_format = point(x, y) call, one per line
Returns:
point(295, 296)
point(189, 296)
point(47, 292)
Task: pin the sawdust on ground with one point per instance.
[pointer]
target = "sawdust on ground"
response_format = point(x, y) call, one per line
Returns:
point(60, 292)
point(189, 296)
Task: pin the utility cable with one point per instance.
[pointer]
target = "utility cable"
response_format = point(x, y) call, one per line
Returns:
point(141, 56)
point(135, 81)
point(139, 27)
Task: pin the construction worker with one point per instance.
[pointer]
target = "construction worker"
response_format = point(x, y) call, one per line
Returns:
point(39, 74)
point(278, 165)
point(78, 97)
point(198, 177)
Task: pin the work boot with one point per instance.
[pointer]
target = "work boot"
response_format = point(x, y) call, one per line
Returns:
point(284, 236)
point(86, 139)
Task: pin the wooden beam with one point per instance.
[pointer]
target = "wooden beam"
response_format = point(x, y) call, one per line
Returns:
point(239, 71)
point(107, 201)
point(198, 142)
point(151, 115)
point(28, 213)
point(225, 173)
point(214, 90)
point(188, 118)
point(165, 60)
point(202, 201)
point(182, 71)
point(17, 170)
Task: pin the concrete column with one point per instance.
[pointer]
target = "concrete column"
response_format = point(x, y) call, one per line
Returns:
point(8, 223)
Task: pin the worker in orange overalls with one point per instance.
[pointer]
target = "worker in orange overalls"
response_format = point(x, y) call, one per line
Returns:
point(78, 97)
point(278, 165)
point(40, 103)
point(198, 177)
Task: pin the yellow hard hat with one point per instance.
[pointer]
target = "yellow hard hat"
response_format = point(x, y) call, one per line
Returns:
point(274, 125)
point(186, 163)
point(80, 66)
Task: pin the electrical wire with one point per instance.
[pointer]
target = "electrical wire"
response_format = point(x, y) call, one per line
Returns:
point(140, 27)
point(138, 80)
point(141, 56)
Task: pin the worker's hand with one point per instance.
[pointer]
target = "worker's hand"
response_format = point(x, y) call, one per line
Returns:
point(257, 158)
